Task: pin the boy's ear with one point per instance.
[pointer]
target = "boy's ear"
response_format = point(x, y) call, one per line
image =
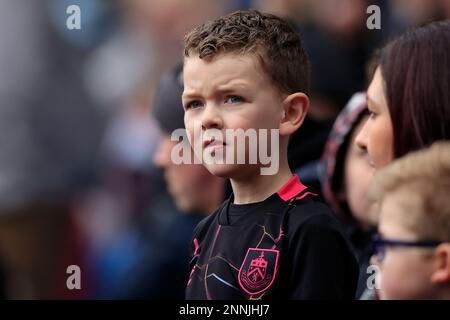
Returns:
point(441, 273)
point(295, 107)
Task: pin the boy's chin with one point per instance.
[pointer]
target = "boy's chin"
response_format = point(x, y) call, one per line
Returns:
point(221, 170)
point(232, 171)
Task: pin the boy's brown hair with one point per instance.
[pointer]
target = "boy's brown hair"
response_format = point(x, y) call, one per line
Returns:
point(274, 41)
point(423, 180)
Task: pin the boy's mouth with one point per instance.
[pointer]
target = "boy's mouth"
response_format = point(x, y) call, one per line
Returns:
point(213, 146)
point(213, 143)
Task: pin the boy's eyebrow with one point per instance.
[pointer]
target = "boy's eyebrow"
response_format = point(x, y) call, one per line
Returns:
point(231, 86)
point(220, 89)
point(189, 95)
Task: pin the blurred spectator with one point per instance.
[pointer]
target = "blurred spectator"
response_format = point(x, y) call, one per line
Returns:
point(49, 131)
point(414, 230)
point(412, 71)
point(345, 182)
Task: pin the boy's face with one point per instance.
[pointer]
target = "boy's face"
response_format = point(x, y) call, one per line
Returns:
point(231, 91)
point(405, 272)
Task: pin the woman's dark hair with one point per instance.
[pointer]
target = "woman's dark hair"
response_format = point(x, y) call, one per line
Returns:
point(416, 72)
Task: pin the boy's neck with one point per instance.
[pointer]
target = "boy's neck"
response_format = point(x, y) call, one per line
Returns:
point(259, 187)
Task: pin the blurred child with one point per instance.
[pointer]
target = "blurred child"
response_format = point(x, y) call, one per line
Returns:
point(413, 246)
point(345, 181)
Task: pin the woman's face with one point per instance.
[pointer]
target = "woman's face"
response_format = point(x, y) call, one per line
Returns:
point(357, 177)
point(376, 135)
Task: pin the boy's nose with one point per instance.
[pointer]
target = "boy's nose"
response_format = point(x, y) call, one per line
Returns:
point(211, 118)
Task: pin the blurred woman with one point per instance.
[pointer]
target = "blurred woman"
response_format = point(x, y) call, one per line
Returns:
point(409, 96)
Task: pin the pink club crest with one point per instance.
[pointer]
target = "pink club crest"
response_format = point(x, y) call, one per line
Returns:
point(257, 272)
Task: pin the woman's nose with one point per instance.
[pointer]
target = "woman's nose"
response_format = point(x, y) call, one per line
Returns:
point(361, 139)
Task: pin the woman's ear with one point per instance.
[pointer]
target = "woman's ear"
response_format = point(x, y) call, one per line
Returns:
point(295, 107)
point(441, 273)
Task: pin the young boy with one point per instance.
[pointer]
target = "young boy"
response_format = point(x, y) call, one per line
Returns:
point(273, 238)
point(413, 246)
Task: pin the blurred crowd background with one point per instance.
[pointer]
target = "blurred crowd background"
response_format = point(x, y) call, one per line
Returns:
point(78, 184)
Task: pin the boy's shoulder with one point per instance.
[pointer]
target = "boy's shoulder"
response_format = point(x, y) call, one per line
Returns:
point(312, 211)
point(306, 207)
point(312, 224)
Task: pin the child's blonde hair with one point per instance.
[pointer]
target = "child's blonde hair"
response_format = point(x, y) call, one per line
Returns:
point(423, 180)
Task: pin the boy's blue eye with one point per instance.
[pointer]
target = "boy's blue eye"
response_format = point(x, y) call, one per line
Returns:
point(194, 104)
point(234, 99)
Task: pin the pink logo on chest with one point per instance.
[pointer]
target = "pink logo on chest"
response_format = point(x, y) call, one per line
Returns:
point(258, 270)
